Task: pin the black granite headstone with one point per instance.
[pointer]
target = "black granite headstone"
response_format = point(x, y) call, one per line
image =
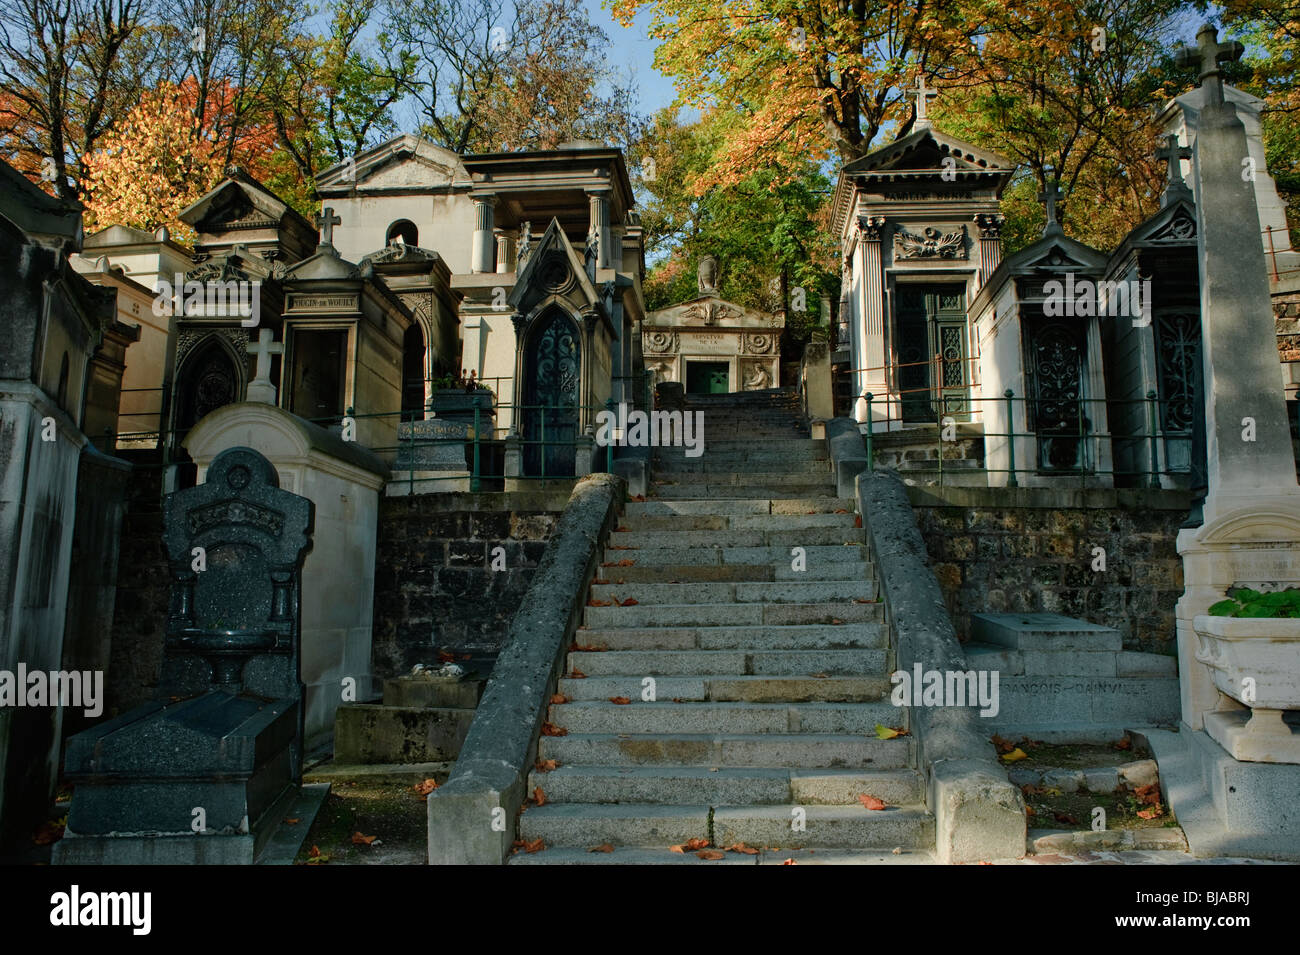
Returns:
point(225, 733)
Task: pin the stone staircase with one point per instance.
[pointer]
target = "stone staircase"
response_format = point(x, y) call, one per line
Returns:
point(768, 681)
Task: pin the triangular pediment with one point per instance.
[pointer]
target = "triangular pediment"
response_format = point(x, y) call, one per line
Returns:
point(325, 264)
point(552, 268)
point(236, 203)
point(926, 150)
point(709, 311)
point(403, 163)
point(1173, 225)
point(1055, 253)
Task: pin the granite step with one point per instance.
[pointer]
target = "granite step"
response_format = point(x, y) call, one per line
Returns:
point(866, 636)
point(742, 507)
point(727, 688)
point(601, 716)
point(844, 518)
point(722, 615)
point(791, 591)
point(687, 555)
point(790, 750)
point(851, 570)
point(741, 537)
point(726, 664)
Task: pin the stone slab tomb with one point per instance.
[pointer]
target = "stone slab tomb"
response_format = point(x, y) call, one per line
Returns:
point(204, 773)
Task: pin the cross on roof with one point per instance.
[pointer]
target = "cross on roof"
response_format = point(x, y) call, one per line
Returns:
point(1171, 153)
point(923, 95)
point(1050, 197)
point(264, 348)
point(326, 224)
point(1208, 55)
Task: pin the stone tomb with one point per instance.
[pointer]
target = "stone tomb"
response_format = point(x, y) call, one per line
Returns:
point(204, 773)
point(431, 456)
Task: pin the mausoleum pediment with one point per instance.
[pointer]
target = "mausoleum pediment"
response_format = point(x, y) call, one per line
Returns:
point(927, 150)
point(709, 311)
point(237, 203)
point(552, 268)
point(403, 163)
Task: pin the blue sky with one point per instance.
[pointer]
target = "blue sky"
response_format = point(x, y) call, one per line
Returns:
point(632, 49)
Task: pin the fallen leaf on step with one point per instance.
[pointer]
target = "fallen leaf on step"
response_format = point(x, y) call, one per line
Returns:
point(630, 602)
point(292, 822)
point(425, 787)
point(710, 855)
point(362, 840)
point(897, 850)
point(537, 845)
point(691, 845)
point(1152, 813)
point(576, 674)
point(539, 796)
point(603, 847)
point(1065, 818)
point(600, 581)
point(743, 849)
point(1149, 794)
point(789, 862)
point(619, 700)
point(1003, 745)
point(638, 497)
point(841, 510)
point(871, 802)
point(1015, 755)
point(1125, 743)
point(550, 729)
point(546, 765)
point(678, 849)
point(558, 698)
point(889, 732)
point(593, 602)
point(857, 521)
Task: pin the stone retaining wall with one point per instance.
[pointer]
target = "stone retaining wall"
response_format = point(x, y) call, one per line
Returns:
point(435, 586)
point(1032, 549)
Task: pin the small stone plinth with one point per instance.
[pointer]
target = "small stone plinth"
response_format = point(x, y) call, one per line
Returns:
point(230, 756)
point(433, 445)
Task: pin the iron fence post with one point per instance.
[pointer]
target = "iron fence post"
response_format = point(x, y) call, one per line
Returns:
point(1011, 438)
point(871, 430)
point(1151, 426)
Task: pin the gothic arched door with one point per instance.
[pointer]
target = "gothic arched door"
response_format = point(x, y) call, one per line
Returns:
point(552, 371)
point(208, 380)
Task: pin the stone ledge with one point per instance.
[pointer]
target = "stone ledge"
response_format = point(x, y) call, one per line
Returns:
point(978, 813)
point(472, 818)
point(1006, 498)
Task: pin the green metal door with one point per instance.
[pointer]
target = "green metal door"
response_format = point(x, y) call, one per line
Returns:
point(707, 378)
point(933, 371)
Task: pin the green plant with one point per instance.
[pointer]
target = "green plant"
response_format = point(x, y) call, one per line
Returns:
point(1244, 602)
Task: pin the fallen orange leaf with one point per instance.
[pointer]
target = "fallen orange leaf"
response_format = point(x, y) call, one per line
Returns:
point(537, 845)
point(857, 521)
point(710, 855)
point(358, 839)
point(620, 700)
point(1152, 813)
point(741, 847)
point(871, 802)
point(558, 698)
point(603, 847)
point(313, 852)
point(425, 787)
point(693, 844)
point(593, 602)
point(546, 765)
point(291, 822)
point(538, 796)
point(550, 729)
point(677, 849)
point(577, 674)
point(630, 602)
point(789, 862)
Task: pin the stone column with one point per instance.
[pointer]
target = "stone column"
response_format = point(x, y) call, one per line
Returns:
point(505, 252)
point(871, 350)
point(599, 205)
point(990, 227)
point(481, 251)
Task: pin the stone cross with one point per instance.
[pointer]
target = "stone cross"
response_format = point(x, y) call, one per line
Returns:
point(923, 95)
point(1208, 55)
point(326, 224)
point(261, 388)
point(1171, 153)
point(1050, 197)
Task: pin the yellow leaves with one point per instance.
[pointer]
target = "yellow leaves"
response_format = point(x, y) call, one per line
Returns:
point(1015, 755)
point(424, 788)
point(889, 732)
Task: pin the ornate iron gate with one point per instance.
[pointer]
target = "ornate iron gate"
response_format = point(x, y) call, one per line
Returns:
point(553, 370)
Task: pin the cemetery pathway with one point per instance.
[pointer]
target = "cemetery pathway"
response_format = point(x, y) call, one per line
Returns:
point(732, 671)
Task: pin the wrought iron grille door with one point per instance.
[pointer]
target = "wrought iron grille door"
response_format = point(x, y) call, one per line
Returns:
point(553, 370)
point(1057, 414)
point(932, 352)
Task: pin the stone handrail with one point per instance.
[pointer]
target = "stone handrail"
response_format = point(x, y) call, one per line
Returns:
point(472, 818)
point(979, 814)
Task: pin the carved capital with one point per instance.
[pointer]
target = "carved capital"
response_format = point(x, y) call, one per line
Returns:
point(872, 227)
point(990, 224)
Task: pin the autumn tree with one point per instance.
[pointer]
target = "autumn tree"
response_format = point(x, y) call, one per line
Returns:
point(69, 70)
point(510, 74)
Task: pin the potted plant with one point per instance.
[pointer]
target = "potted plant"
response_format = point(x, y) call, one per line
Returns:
point(454, 399)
